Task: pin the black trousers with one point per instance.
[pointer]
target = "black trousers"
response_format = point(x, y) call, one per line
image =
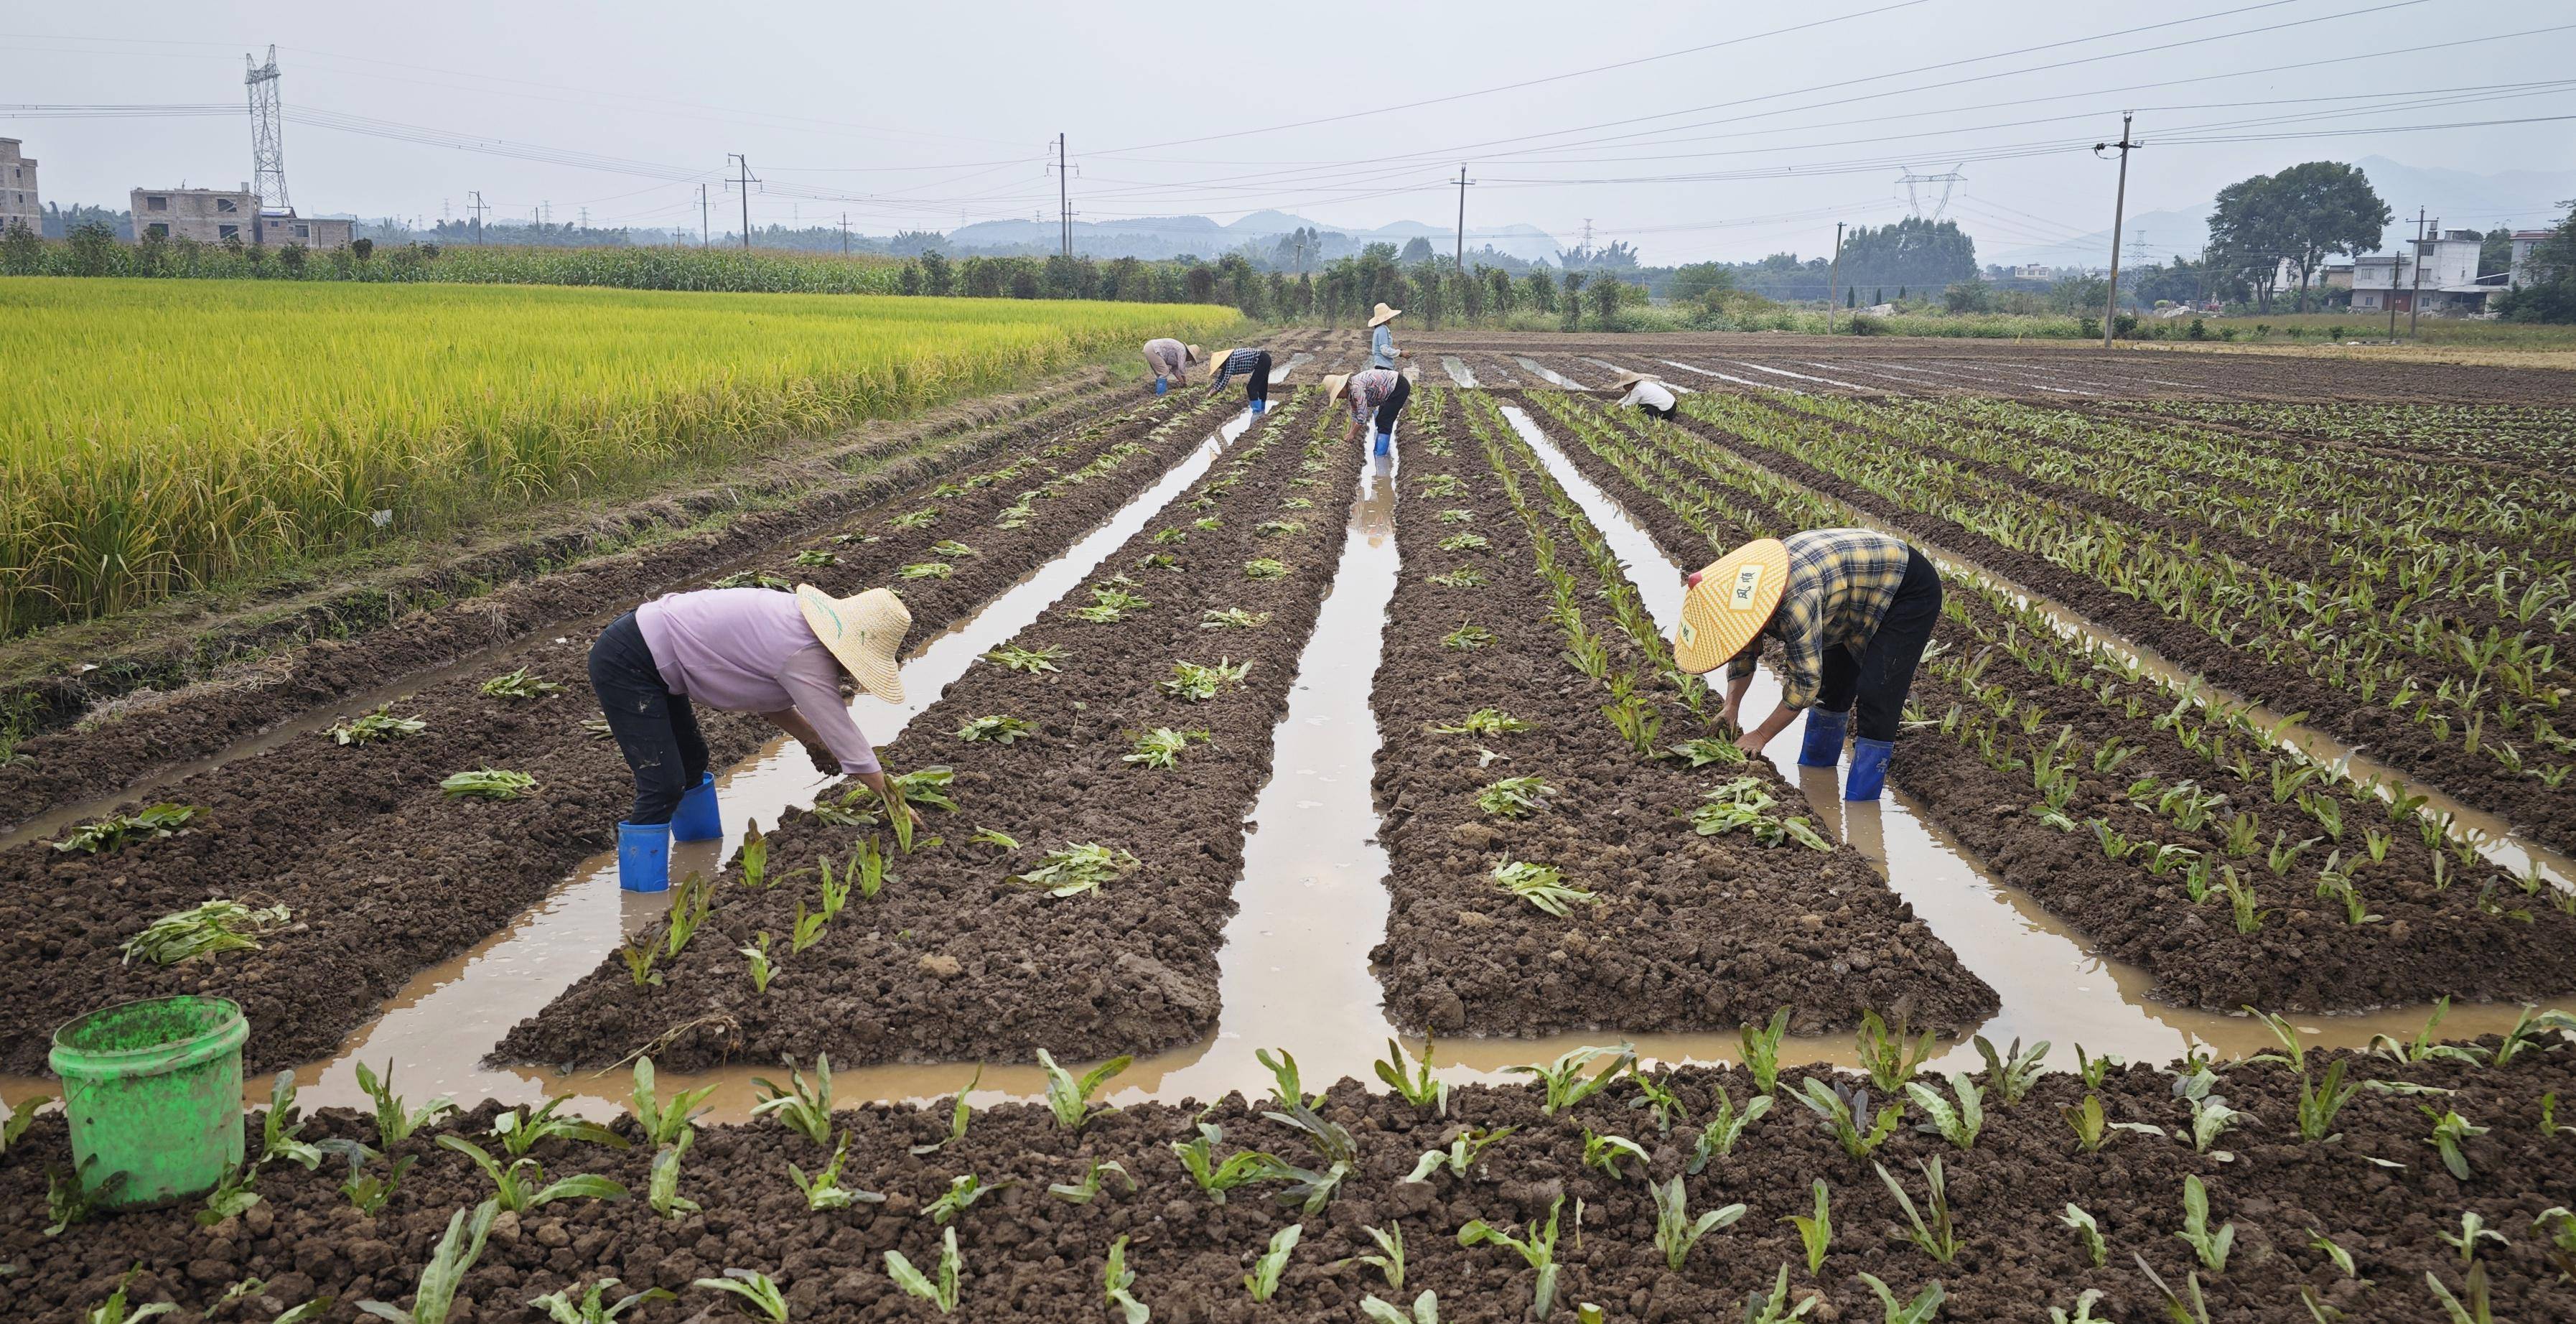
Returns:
point(1257, 387)
point(1394, 403)
point(1877, 678)
point(1664, 412)
point(656, 730)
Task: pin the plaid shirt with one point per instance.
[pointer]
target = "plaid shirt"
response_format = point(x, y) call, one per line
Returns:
point(1841, 582)
point(1370, 389)
point(1240, 361)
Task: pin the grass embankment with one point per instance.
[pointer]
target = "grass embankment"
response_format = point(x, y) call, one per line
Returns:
point(186, 432)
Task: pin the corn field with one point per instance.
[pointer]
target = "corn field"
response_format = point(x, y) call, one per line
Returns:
point(180, 433)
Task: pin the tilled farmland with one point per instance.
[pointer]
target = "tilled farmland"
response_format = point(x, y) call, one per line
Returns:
point(2247, 683)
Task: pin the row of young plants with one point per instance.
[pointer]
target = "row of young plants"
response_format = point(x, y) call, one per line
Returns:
point(2435, 538)
point(320, 874)
point(2412, 1181)
point(2535, 438)
point(2483, 728)
point(1567, 831)
point(1084, 787)
point(2193, 843)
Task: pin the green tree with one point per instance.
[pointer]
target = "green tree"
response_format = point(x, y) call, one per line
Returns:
point(1605, 295)
point(93, 247)
point(1698, 280)
point(2548, 290)
point(1573, 300)
point(21, 252)
point(2495, 251)
point(1540, 288)
point(2306, 214)
point(1417, 250)
point(1972, 295)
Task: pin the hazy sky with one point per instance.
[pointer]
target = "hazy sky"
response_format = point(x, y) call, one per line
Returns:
point(929, 115)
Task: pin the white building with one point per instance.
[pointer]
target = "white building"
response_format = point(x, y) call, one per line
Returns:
point(2440, 277)
point(18, 202)
point(211, 216)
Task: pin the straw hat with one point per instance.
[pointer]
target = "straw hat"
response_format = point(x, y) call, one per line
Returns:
point(1334, 385)
point(863, 633)
point(1729, 602)
point(1384, 315)
point(1630, 379)
point(1196, 355)
point(1219, 357)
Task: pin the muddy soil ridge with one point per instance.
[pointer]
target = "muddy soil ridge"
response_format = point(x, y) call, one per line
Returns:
point(953, 960)
point(1687, 931)
point(2377, 1191)
point(385, 875)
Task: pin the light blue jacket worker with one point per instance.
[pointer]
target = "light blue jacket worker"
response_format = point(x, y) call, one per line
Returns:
point(1382, 350)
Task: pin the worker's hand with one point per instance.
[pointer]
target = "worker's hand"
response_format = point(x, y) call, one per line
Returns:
point(1730, 717)
point(824, 760)
point(1751, 742)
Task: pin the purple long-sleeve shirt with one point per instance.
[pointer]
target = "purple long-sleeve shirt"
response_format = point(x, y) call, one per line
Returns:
point(750, 650)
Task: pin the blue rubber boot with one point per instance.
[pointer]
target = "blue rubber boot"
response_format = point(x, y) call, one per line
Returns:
point(1824, 747)
point(644, 857)
point(1161, 385)
point(697, 818)
point(1868, 770)
point(1385, 443)
point(1260, 407)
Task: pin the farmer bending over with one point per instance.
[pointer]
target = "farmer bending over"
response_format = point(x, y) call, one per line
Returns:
point(1253, 365)
point(1852, 609)
point(1168, 359)
point(1382, 350)
point(780, 655)
point(1379, 390)
point(1645, 393)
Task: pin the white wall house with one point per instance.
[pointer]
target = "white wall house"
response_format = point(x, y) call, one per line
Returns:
point(2445, 284)
point(19, 204)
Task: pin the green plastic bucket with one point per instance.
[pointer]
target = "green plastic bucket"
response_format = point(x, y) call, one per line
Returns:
point(153, 1090)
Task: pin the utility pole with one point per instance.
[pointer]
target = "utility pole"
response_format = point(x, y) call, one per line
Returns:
point(478, 215)
point(2393, 261)
point(702, 216)
point(2119, 205)
point(2415, 301)
point(1833, 277)
point(845, 234)
point(1063, 200)
point(1463, 182)
point(745, 181)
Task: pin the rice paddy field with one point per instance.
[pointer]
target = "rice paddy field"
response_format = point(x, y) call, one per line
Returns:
point(175, 433)
point(1332, 904)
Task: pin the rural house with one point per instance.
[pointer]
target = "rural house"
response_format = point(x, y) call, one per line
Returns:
point(2448, 287)
point(212, 216)
point(18, 204)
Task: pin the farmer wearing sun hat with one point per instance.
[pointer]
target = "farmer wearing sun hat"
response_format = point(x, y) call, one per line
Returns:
point(1253, 365)
point(1645, 393)
point(1382, 350)
point(780, 655)
point(1167, 359)
point(1852, 609)
point(1379, 391)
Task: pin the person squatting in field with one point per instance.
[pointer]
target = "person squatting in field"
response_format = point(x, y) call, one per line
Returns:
point(1169, 360)
point(1382, 391)
point(1645, 393)
point(1251, 364)
point(1852, 609)
point(783, 656)
point(1382, 350)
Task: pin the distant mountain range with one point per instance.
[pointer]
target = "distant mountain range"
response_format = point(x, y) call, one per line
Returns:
point(2456, 199)
point(1175, 236)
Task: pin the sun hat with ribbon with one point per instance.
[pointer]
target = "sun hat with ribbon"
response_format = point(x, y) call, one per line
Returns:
point(1384, 315)
point(1728, 603)
point(862, 633)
